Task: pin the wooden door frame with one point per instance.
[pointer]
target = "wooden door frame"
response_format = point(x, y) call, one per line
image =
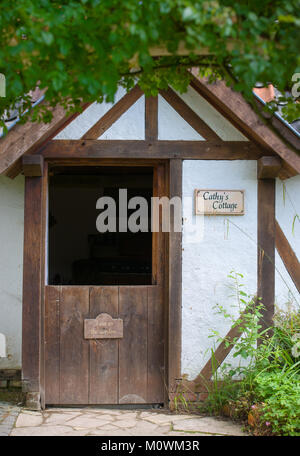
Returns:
point(34, 280)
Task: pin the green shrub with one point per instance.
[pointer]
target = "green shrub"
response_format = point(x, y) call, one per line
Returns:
point(269, 385)
point(280, 394)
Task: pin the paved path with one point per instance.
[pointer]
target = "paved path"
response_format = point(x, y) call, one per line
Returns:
point(112, 422)
point(8, 416)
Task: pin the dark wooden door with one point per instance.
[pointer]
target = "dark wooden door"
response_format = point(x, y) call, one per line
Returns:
point(108, 371)
point(104, 371)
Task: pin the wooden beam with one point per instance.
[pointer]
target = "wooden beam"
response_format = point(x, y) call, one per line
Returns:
point(287, 255)
point(189, 115)
point(204, 150)
point(32, 269)
point(175, 281)
point(32, 165)
point(27, 138)
point(113, 114)
point(151, 118)
point(268, 167)
point(235, 108)
point(266, 248)
point(221, 352)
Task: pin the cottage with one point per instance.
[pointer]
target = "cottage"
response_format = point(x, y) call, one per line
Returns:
point(92, 315)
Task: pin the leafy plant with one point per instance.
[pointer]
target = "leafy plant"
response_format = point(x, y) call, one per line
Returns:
point(82, 50)
point(280, 394)
point(267, 391)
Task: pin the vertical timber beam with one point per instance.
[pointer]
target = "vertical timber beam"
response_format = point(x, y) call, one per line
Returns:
point(266, 248)
point(151, 118)
point(32, 291)
point(175, 283)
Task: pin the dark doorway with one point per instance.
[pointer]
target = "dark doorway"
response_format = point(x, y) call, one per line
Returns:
point(78, 253)
point(89, 285)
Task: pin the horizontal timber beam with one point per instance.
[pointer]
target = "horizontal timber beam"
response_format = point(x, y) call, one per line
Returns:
point(203, 150)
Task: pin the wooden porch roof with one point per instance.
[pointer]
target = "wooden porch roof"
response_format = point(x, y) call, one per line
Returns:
point(272, 138)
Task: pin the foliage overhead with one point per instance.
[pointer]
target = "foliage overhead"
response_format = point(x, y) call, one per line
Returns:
point(82, 50)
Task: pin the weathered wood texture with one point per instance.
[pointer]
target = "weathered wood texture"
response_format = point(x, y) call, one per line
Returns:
point(287, 255)
point(268, 167)
point(93, 149)
point(113, 114)
point(175, 282)
point(266, 248)
point(33, 165)
point(52, 344)
point(133, 303)
point(104, 354)
point(232, 105)
point(44, 255)
point(74, 349)
point(32, 283)
point(151, 118)
point(27, 138)
point(107, 371)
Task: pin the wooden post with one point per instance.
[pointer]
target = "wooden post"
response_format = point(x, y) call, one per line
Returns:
point(151, 118)
point(268, 168)
point(33, 280)
point(175, 281)
point(266, 244)
point(33, 165)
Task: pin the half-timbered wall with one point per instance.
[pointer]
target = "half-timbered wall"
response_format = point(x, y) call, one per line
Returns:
point(205, 263)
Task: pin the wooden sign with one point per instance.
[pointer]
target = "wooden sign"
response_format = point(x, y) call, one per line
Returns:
point(219, 202)
point(103, 327)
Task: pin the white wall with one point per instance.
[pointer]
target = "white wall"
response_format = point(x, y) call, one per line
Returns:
point(287, 206)
point(130, 125)
point(206, 262)
point(11, 267)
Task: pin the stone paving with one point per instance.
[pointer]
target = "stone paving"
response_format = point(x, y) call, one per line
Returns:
point(112, 422)
point(8, 416)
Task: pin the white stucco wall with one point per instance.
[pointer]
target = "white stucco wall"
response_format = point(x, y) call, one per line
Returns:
point(206, 262)
point(287, 206)
point(130, 125)
point(11, 260)
point(221, 126)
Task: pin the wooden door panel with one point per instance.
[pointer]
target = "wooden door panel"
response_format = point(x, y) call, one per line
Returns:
point(133, 303)
point(104, 371)
point(104, 353)
point(74, 349)
point(155, 338)
point(52, 341)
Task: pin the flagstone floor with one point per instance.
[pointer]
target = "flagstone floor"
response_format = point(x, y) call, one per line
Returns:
point(112, 422)
point(8, 416)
